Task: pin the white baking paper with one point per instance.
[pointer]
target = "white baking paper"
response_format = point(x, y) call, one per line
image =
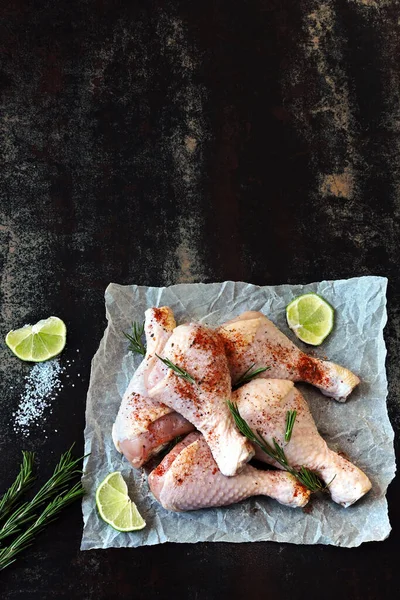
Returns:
point(360, 427)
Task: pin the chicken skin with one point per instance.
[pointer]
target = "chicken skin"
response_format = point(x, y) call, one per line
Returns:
point(188, 478)
point(264, 403)
point(143, 426)
point(252, 339)
point(199, 351)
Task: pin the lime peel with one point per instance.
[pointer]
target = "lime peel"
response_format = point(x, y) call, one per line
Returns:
point(114, 505)
point(311, 318)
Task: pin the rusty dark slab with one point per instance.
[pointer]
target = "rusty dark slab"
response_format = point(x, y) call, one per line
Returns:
point(162, 142)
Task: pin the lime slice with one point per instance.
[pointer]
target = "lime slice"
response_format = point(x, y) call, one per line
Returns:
point(115, 506)
point(36, 343)
point(311, 318)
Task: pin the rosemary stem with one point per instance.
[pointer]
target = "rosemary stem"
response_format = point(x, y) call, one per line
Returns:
point(66, 469)
point(22, 483)
point(176, 369)
point(9, 554)
point(135, 338)
point(308, 478)
point(248, 375)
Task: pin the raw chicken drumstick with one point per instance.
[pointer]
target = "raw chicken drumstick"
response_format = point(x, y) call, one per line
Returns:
point(143, 426)
point(264, 403)
point(188, 479)
point(199, 351)
point(252, 339)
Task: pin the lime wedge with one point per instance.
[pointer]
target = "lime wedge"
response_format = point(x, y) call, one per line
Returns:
point(311, 318)
point(115, 506)
point(36, 343)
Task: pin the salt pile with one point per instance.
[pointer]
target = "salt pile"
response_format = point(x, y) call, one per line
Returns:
point(40, 389)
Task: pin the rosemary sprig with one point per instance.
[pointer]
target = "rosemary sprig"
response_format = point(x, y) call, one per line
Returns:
point(8, 555)
point(290, 419)
point(309, 479)
point(57, 484)
point(247, 376)
point(135, 338)
point(177, 370)
point(23, 482)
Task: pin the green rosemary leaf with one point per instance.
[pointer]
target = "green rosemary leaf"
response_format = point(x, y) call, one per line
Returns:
point(177, 370)
point(65, 471)
point(290, 419)
point(135, 338)
point(241, 424)
point(167, 449)
point(23, 482)
point(280, 454)
point(308, 478)
point(9, 554)
point(248, 376)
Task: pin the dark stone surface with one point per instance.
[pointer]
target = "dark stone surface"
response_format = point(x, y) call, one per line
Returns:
point(161, 142)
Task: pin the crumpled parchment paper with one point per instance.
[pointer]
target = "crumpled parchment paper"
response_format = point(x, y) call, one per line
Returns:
point(360, 428)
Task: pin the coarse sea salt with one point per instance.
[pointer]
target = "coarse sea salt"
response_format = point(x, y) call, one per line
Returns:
point(41, 387)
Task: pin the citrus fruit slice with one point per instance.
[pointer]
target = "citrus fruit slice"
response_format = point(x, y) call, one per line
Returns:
point(36, 343)
point(115, 506)
point(311, 318)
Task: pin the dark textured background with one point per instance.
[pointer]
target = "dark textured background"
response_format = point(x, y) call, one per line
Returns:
point(157, 142)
